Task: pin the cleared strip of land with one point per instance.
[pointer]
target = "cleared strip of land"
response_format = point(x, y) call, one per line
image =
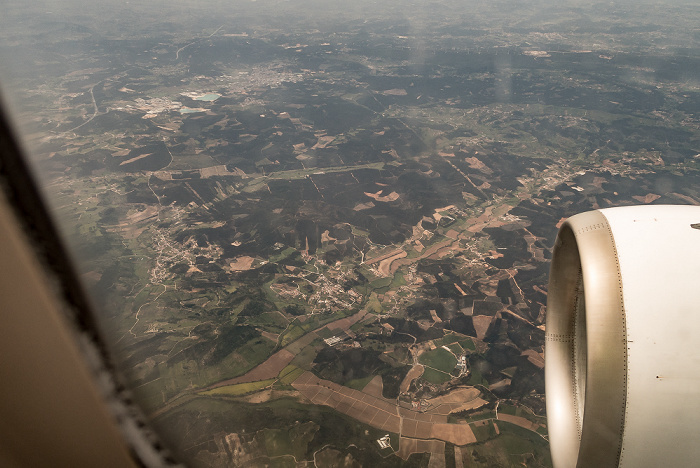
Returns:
point(461, 399)
point(394, 252)
point(382, 413)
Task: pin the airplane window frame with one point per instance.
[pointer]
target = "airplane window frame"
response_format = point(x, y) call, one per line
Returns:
point(29, 213)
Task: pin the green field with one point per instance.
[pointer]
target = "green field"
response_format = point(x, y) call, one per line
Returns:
point(439, 359)
point(305, 357)
point(483, 432)
point(293, 442)
point(489, 414)
point(435, 377)
point(517, 441)
point(475, 377)
point(239, 389)
point(289, 374)
point(381, 283)
point(468, 345)
point(293, 333)
point(359, 384)
point(514, 446)
point(256, 351)
point(448, 339)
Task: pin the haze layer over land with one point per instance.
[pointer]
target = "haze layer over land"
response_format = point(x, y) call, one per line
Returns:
point(318, 233)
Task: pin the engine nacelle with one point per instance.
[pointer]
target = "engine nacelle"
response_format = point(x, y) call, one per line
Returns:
point(623, 327)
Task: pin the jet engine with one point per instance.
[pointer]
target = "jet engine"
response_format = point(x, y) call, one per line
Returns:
point(623, 339)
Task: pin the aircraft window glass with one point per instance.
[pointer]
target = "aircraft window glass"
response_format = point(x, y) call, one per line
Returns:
point(320, 232)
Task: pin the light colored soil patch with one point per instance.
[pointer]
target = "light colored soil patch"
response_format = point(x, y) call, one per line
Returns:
point(345, 323)
point(437, 460)
point(270, 336)
point(363, 206)
point(374, 387)
point(650, 197)
point(475, 163)
point(121, 153)
point(270, 394)
point(135, 159)
point(477, 224)
point(534, 357)
point(395, 92)
point(415, 372)
point(326, 236)
point(461, 399)
point(382, 257)
point(407, 446)
point(380, 412)
point(323, 141)
point(685, 198)
point(459, 395)
point(377, 412)
point(474, 404)
point(92, 276)
point(393, 196)
point(459, 461)
point(267, 370)
point(138, 216)
point(213, 171)
point(433, 249)
point(136, 223)
point(481, 325)
point(385, 265)
point(458, 434)
point(518, 421)
point(242, 263)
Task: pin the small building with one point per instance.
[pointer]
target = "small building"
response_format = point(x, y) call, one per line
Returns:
point(384, 442)
point(333, 340)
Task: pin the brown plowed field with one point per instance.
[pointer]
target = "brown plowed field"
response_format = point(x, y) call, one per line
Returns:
point(458, 434)
point(408, 446)
point(396, 264)
point(415, 372)
point(267, 370)
point(481, 325)
point(458, 395)
point(375, 387)
point(347, 322)
point(386, 263)
point(368, 409)
point(382, 413)
point(460, 399)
